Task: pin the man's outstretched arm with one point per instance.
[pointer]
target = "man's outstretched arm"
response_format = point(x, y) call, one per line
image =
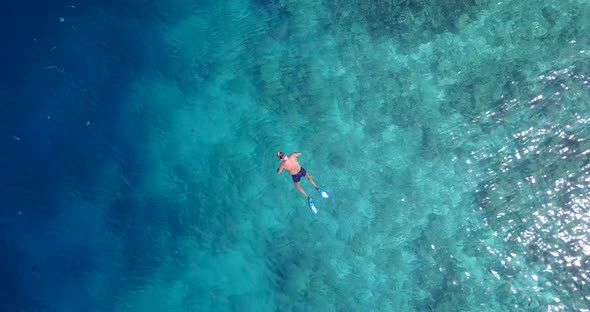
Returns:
point(296, 154)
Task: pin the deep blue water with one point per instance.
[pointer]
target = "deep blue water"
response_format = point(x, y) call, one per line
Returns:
point(138, 163)
point(57, 77)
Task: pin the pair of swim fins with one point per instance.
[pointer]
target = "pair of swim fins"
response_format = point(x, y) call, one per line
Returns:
point(311, 204)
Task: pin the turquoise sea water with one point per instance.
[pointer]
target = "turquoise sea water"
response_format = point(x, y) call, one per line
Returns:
point(140, 141)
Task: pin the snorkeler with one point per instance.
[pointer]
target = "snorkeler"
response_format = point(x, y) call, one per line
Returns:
point(291, 164)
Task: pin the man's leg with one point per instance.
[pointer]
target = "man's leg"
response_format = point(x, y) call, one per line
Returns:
point(300, 188)
point(310, 178)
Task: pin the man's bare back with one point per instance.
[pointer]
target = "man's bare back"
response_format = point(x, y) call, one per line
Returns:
point(290, 164)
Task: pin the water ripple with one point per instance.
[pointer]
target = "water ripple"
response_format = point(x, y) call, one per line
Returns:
point(536, 192)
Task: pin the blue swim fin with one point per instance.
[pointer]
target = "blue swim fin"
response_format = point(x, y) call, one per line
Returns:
point(312, 206)
point(323, 193)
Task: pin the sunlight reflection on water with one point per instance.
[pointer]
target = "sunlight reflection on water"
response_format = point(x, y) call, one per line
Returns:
point(536, 193)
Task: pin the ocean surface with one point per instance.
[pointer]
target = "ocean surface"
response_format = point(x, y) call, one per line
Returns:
point(138, 159)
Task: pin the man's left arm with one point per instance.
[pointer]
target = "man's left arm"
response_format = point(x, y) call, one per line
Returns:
point(296, 154)
point(280, 169)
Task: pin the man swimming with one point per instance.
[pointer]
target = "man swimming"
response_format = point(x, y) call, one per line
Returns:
point(291, 164)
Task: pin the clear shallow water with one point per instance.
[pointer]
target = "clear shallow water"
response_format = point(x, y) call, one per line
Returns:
point(139, 142)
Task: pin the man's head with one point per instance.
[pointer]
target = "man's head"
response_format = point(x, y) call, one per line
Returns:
point(281, 155)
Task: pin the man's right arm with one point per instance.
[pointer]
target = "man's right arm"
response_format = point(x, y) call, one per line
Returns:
point(280, 169)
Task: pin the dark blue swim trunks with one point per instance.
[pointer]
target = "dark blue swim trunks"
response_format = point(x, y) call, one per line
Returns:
point(297, 177)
